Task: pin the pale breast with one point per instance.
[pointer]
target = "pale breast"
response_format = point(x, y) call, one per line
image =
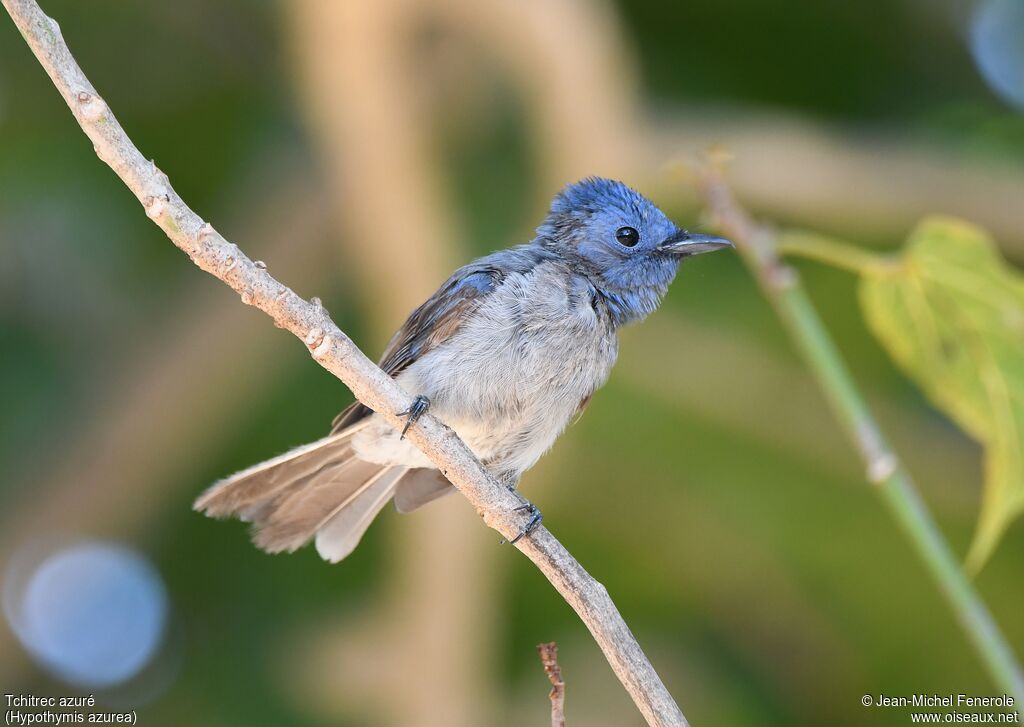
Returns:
point(514, 374)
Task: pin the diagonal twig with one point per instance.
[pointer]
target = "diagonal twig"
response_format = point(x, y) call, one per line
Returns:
point(333, 350)
point(781, 285)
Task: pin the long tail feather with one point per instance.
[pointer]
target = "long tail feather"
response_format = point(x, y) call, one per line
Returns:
point(291, 524)
point(340, 535)
point(259, 482)
point(320, 490)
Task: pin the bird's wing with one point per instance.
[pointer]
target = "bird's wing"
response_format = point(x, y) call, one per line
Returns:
point(441, 316)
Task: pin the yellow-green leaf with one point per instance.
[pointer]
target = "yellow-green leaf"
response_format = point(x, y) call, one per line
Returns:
point(952, 317)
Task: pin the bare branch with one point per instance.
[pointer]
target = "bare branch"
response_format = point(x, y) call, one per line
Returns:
point(333, 350)
point(549, 658)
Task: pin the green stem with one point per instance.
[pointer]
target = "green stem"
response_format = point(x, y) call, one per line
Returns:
point(758, 247)
point(833, 252)
point(898, 490)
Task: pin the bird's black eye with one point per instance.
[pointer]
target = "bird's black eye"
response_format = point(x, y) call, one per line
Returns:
point(627, 236)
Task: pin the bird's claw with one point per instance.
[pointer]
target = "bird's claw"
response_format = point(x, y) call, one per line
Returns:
point(416, 409)
point(536, 518)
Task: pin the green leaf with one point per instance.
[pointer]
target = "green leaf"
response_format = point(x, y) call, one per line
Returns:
point(951, 315)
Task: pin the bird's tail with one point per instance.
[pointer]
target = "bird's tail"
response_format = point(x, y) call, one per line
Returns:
point(320, 490)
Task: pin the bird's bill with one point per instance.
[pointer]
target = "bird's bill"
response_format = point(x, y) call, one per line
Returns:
point(688, 243)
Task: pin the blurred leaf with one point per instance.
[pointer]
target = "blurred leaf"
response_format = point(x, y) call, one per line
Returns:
point(952, 316)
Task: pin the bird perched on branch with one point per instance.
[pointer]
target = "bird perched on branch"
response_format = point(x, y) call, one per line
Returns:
point(507, 352)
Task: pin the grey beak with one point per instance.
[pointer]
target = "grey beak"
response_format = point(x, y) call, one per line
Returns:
point(688, 243)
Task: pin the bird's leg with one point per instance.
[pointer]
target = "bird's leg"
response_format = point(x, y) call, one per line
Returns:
point(536, 518)
point(417, 409)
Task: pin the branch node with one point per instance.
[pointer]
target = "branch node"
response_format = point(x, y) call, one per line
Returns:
point(260, 264)
point(205, 231)
point(881, 467)
point(782, 277)
point(157, 171)
point(323, 348)
point(314, 338)
point(246, 297)
point(155, 205)
point(92, 108)
point(317, 302)
point(881, 462)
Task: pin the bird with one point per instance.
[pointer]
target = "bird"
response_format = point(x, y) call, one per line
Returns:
point(507, 352)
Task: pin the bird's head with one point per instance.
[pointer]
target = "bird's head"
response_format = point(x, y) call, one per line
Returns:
point(623, 243)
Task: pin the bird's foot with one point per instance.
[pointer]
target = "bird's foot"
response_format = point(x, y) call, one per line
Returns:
point(417, 409)
point(536, 518)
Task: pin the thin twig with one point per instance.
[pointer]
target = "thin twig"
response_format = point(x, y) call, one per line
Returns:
point(757, 244)
point(333, 350)
point(549, 658)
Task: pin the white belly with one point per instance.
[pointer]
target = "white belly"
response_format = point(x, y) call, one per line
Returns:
point(512, 376)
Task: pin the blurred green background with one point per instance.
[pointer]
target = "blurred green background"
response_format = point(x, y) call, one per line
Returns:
point(364, 150)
